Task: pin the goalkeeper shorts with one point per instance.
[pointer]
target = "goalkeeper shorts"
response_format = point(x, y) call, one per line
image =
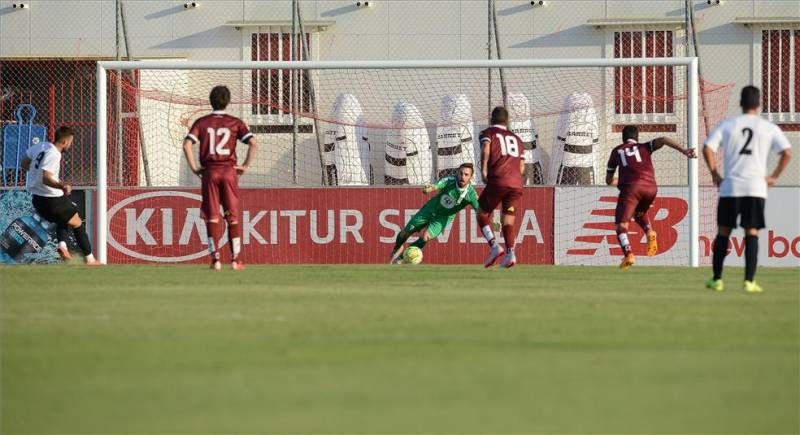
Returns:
point(434, 224)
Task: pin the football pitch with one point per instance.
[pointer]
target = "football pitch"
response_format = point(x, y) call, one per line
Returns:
point(407, 349)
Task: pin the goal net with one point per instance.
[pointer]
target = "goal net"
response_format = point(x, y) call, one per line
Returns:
point(344, 146)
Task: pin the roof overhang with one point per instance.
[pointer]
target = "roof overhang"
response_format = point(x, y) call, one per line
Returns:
point(760, 21)
point(284, 25)
point(637, 22)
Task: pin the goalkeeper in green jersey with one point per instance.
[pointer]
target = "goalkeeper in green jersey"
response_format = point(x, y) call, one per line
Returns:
point(453, 193)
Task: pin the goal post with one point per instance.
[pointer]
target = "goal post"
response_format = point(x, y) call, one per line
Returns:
point(336, 77)
point(694, 178)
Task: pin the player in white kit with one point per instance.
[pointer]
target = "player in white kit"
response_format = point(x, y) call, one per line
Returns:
point(745, 141)
point(51, 198)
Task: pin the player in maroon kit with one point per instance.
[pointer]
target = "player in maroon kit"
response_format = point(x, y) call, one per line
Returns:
point(502, 167)
point(219, 171)
point(637, 186)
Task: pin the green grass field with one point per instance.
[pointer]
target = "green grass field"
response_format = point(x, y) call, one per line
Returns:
point(166, 349)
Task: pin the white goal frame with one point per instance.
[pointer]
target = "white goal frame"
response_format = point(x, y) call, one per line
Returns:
point(692, 93)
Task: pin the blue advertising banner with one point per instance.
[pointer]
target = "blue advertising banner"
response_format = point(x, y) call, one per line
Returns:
point(27, 238)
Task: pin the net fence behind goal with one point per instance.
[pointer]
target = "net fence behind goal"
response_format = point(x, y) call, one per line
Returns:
point(342, 148)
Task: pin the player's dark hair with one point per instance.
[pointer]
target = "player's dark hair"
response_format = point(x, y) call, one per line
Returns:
point(630, 132)
point(468, 165)
point(499, 115)
point(220, 97)
point(63, 132)
point(751, 98)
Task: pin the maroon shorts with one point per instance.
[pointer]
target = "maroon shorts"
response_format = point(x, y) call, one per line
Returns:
point(493, 195)
point(634, 200)
point(220, 185)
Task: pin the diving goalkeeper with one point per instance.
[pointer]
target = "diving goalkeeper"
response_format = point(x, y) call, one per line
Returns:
point(453, 193)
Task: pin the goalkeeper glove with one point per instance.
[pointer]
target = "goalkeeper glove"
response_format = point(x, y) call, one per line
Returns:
point(428, 189)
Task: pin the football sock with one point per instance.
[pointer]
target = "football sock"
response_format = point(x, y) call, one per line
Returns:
point(83, 239)
point(720, 250)
point(235, 234)
point(214, 231)
point(750, 257)
point(398, 242)
point(488, 234)
point(483, 219)
point(643, 222)
point(236, 248)
point(624, 243)
point(510, 235)
point(62, 233)
point(419, 243)
point(486, 228)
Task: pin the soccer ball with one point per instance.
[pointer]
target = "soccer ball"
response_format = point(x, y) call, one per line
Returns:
point(412, 255)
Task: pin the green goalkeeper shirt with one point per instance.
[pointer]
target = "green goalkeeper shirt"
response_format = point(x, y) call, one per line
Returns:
point(451, 199)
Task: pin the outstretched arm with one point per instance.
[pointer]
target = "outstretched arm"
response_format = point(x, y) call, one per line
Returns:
point(433, 188)
point(661, 141)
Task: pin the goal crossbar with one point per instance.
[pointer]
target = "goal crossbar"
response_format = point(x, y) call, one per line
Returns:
point(398, 64)
point(692, 97)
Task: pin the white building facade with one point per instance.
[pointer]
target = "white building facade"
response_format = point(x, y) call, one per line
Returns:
point(741, 42)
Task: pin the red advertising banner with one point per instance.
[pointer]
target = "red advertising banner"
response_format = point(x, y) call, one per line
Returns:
point(311, 225)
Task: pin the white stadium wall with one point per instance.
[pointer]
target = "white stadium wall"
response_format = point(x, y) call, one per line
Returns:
point(391, 30)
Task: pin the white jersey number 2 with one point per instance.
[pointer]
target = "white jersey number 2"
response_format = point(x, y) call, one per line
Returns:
point(749, 133)
point(626, 152)
point(508, 145)
point(218, 147)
